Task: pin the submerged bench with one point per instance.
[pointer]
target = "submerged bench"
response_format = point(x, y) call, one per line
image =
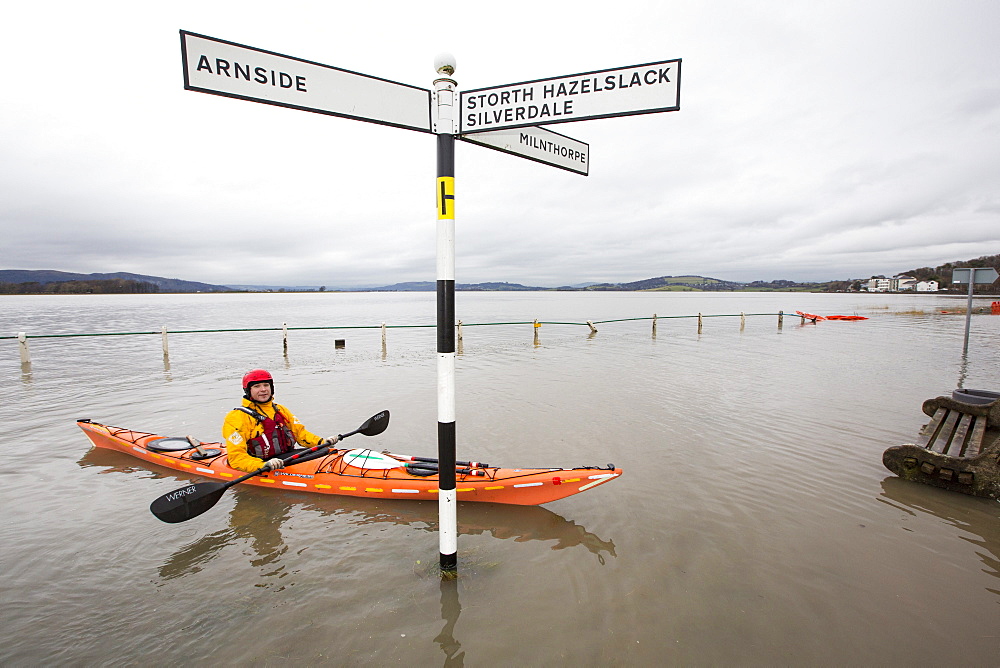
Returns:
point(959, 449)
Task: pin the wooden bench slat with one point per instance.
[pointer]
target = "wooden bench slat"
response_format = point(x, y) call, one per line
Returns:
point(944, 436)
point(976, 442)
point(930, 431)
point(956, 444)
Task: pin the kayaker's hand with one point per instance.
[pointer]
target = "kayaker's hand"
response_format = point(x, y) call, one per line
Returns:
point(275, 463)
point(333, 440)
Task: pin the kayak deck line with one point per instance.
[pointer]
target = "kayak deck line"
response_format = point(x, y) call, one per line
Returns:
point(336, 473)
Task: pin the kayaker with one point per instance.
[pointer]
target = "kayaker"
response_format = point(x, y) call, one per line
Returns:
point(260, 432)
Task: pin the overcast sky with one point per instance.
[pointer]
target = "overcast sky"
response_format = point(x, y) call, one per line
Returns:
point(815, 141)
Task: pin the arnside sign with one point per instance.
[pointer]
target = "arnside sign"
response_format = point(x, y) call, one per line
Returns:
point(229, 69)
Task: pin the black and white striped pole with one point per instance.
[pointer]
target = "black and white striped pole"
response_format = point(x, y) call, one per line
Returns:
point(444, 127)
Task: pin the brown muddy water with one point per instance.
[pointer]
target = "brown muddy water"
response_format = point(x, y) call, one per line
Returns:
point(754, 523)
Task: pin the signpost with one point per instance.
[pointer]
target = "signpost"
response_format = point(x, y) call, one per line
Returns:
point(503, 118)
point(972, 275)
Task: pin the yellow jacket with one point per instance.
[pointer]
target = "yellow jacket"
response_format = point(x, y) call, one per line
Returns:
point(240, 428)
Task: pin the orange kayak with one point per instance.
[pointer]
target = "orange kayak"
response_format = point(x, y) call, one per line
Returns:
point(815, 318)
point(362, 473)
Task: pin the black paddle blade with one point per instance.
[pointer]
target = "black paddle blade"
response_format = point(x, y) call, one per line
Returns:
point(375, 425)
point(187, 502)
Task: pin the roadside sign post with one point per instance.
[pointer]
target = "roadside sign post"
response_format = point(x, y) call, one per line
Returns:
point(972, 275)
point(504, 118)
point(444, 127)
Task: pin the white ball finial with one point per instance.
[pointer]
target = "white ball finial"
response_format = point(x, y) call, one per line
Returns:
point(445, 64)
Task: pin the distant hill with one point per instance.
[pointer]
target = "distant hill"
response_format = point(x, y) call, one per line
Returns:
point(278, 288)
point(941, 274)
point(44, 276)
point(673, 283)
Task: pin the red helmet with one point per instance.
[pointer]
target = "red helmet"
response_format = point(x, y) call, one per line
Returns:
point(256, 376)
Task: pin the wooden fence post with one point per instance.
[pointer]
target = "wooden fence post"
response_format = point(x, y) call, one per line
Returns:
point(22, 339)
point(743, 321)
point(383, 338)
point(163, 336)
point(593, 330)
point(781, 318)
point(654, 325)
point(699, 323)
point(284, 337)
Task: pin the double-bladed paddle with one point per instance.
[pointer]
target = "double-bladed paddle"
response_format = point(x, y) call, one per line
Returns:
point(191, 501)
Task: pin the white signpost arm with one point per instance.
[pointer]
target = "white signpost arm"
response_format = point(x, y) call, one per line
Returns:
point(443, 101)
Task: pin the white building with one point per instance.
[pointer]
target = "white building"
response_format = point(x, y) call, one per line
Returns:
point(899, 283)
point(878, 285)
point(927, 286)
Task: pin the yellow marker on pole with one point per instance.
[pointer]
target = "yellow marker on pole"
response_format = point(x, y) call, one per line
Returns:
point(446, 197)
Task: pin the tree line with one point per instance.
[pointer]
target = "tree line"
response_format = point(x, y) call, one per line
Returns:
point(113, 286)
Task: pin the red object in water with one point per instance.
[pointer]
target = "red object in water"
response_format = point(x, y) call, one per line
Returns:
point(995, 308)
point(846, 317)
point(811, 316)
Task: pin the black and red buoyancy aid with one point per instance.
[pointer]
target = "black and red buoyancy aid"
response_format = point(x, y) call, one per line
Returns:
point(275, 437)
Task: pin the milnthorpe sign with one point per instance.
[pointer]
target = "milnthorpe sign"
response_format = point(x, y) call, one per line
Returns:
point(233, 70)
point(538, 144)
point(640, 89)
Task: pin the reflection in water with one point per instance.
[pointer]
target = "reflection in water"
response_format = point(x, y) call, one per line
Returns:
point(963, 369)
point(451, 608)
point(256, 519)
point(523, 523)
point(980, 516)
point(520, 523)
point(25, 372)
point(257, 515)
point(112, 461)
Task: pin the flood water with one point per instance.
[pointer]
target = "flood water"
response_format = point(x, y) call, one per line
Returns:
point(754, 523)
